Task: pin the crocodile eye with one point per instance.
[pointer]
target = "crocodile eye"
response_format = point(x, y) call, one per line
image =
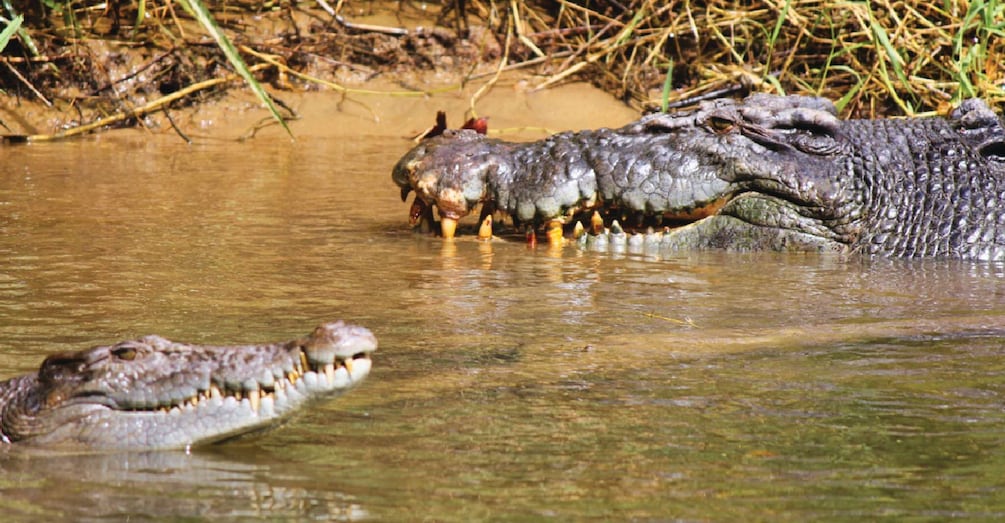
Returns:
point(720, 125)
point(125, 353)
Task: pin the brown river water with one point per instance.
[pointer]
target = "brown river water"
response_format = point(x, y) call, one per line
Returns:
point(511, 383)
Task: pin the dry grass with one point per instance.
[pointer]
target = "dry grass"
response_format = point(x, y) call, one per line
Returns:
point(875, 57)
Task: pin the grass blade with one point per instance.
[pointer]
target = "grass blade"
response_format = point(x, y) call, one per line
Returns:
point(21, 33)
point(9, 31)
point(199, 10)
point(667, 86)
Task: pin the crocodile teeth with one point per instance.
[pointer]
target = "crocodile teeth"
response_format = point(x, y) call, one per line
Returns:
point(348, 367)
point(255, 398)
point(555, 233)
point(448, 226)
point(303, 361)
point(214, 391)
point(329, 370)
point(485, 229)
point(616, 228)
point(596, 223)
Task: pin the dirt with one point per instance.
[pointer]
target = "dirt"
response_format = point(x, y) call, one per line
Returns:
point(398, 52)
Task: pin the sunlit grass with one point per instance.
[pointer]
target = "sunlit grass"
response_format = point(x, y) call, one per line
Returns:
point(977, 61)
point(876, 56)
point(872, 57)
point(8, 32)
point(196, 8)
point(202, 14)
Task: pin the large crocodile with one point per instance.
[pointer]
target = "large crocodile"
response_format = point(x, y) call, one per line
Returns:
point(768, 172)
point(152, 393)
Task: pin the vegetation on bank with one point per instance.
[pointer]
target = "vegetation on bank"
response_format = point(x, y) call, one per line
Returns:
point(874, 57)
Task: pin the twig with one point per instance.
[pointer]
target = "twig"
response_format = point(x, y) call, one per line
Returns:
point(139, 70)
point(729, 90)
point(393, 31)
point(27, 83)
point(184, 136)
point(520, 65)
point(502, 63)
point(338, 87)
point(686, 321)
point(517, 26)
point(140, 111)
point(36, 59)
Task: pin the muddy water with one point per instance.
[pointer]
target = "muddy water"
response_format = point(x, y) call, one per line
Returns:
point(511, 383)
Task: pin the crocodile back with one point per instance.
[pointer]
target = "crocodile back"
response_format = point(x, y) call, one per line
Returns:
point(926, 190)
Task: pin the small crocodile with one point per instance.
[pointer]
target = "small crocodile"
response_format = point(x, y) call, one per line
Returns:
point(765, 173)
point(152, 393)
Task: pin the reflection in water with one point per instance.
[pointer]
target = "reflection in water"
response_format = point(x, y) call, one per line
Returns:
point(200, 485)
point(511, 382)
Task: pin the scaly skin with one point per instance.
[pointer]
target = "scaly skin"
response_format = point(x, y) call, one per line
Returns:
point(769, 172)
point(152, 393)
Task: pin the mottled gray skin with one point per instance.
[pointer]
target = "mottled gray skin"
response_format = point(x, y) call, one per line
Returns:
point(152, 393)
point(788, 174)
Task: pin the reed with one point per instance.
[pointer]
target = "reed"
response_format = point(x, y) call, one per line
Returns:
point(873, 57)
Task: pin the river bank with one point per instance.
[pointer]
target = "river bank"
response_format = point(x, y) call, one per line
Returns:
point(88, 64)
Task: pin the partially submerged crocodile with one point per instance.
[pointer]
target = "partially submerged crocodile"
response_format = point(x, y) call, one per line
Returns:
point(768, 172)
point(152, 393)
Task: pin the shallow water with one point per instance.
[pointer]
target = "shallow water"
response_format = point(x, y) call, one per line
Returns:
point(510, 383)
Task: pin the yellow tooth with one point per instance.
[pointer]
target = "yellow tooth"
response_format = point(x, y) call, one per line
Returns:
point(254, 397)
point(348, 366)
point(292, 376)
point(596, 223)
point(330, 371)
point(303, 361)
point(214, 391)
point(579, 230)
point(195, 400)
point(448, 226)
point(555, 233)
point(485, 229)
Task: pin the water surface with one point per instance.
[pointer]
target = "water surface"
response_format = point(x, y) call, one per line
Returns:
point(510, 383)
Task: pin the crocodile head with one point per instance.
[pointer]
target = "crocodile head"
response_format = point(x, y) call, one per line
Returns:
point(453, 172)
point(152, 393)
point(765, 172)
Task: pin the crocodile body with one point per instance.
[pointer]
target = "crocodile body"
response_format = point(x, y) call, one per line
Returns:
point(768, 172)
point(152, 393)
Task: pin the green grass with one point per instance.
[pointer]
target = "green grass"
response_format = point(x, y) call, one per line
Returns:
point(202, 14)
point(8, 32)
point(983, 24)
